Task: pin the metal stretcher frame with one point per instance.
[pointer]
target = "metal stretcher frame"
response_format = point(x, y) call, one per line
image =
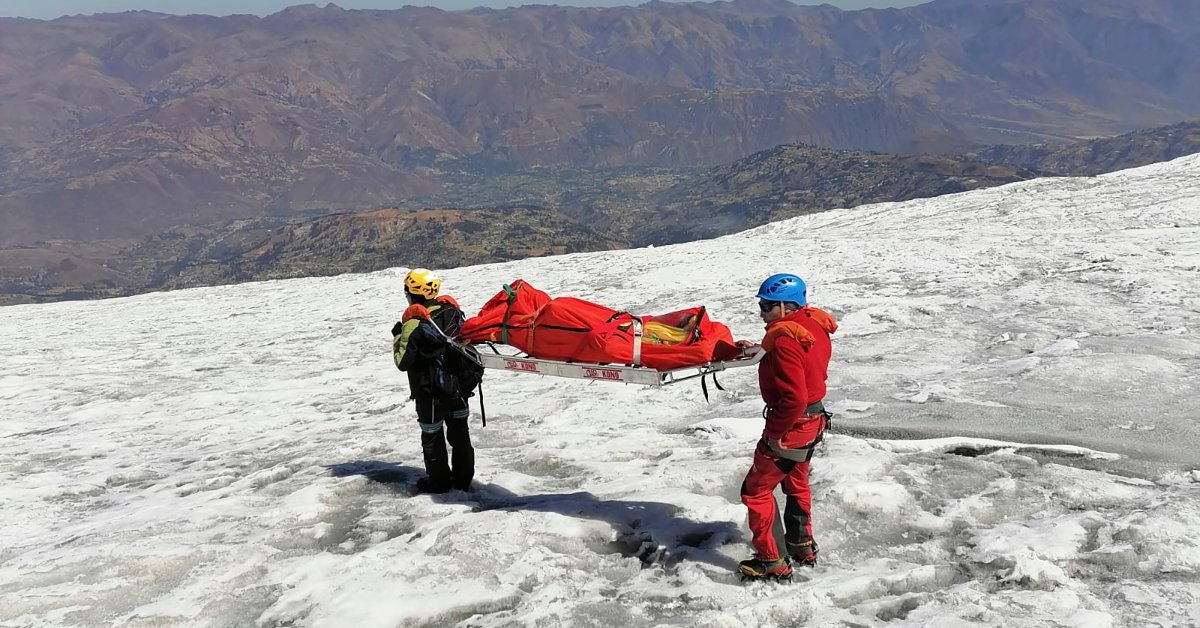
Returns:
point(642, 375)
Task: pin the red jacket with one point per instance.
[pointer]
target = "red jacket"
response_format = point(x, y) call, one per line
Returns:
point(792, 375)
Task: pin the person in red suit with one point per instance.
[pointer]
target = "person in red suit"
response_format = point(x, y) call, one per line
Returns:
point(791, 378)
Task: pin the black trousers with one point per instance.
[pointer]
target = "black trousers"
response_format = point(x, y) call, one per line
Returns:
point(443, 421)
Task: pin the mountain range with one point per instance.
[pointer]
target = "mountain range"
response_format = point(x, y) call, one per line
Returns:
point(125, 125)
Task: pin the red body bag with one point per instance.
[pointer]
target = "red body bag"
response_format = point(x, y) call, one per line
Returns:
point(573, 330)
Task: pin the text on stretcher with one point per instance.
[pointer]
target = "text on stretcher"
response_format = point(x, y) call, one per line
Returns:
point(602, 373)
point(520, 365)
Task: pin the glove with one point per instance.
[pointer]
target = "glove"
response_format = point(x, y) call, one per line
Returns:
point(416, 310)
point(397, 328)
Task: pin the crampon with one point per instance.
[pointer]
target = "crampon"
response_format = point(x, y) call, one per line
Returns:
point(765, 569)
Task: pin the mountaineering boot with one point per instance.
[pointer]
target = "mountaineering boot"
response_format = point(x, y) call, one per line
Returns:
point(804, 553)
point(757, 567)
point(430, 485)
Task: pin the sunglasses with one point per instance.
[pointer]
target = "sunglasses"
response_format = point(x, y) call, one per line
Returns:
point(767, 306)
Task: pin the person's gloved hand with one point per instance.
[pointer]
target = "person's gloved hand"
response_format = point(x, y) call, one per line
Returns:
point(416, 310)
point(397, 327)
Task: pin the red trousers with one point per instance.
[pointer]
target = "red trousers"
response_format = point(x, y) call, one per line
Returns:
point(758, 493)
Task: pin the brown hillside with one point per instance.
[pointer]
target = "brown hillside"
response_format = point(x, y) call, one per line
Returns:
point(121, 125)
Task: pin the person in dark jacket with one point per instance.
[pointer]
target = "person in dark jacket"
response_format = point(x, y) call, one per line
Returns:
point(418, 342)
point(791, 379)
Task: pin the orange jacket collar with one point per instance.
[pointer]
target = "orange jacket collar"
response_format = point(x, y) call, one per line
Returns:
point(790, 326)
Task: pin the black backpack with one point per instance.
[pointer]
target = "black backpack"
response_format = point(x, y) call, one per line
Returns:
point(457, 368)
point(457, 371)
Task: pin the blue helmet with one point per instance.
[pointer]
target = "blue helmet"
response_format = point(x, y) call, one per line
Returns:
point(784, 287)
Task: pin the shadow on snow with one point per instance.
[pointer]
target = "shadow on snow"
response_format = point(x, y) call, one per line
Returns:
point(650, 531)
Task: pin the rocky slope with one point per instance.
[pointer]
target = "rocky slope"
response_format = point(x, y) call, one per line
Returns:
point(791, 180)
point(590, 212)
point(1101, 155)
point(547, 211)
point(261, 249)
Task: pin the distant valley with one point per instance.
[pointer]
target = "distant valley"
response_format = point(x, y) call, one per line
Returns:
point(545, 211)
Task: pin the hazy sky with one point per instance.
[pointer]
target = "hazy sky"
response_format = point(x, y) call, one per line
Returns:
point(49, 9)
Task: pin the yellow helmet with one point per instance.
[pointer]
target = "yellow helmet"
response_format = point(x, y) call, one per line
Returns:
point(422, 282)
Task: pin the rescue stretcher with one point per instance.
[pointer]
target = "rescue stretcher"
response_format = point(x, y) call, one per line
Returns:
point(625, 373)
point(573, 338)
